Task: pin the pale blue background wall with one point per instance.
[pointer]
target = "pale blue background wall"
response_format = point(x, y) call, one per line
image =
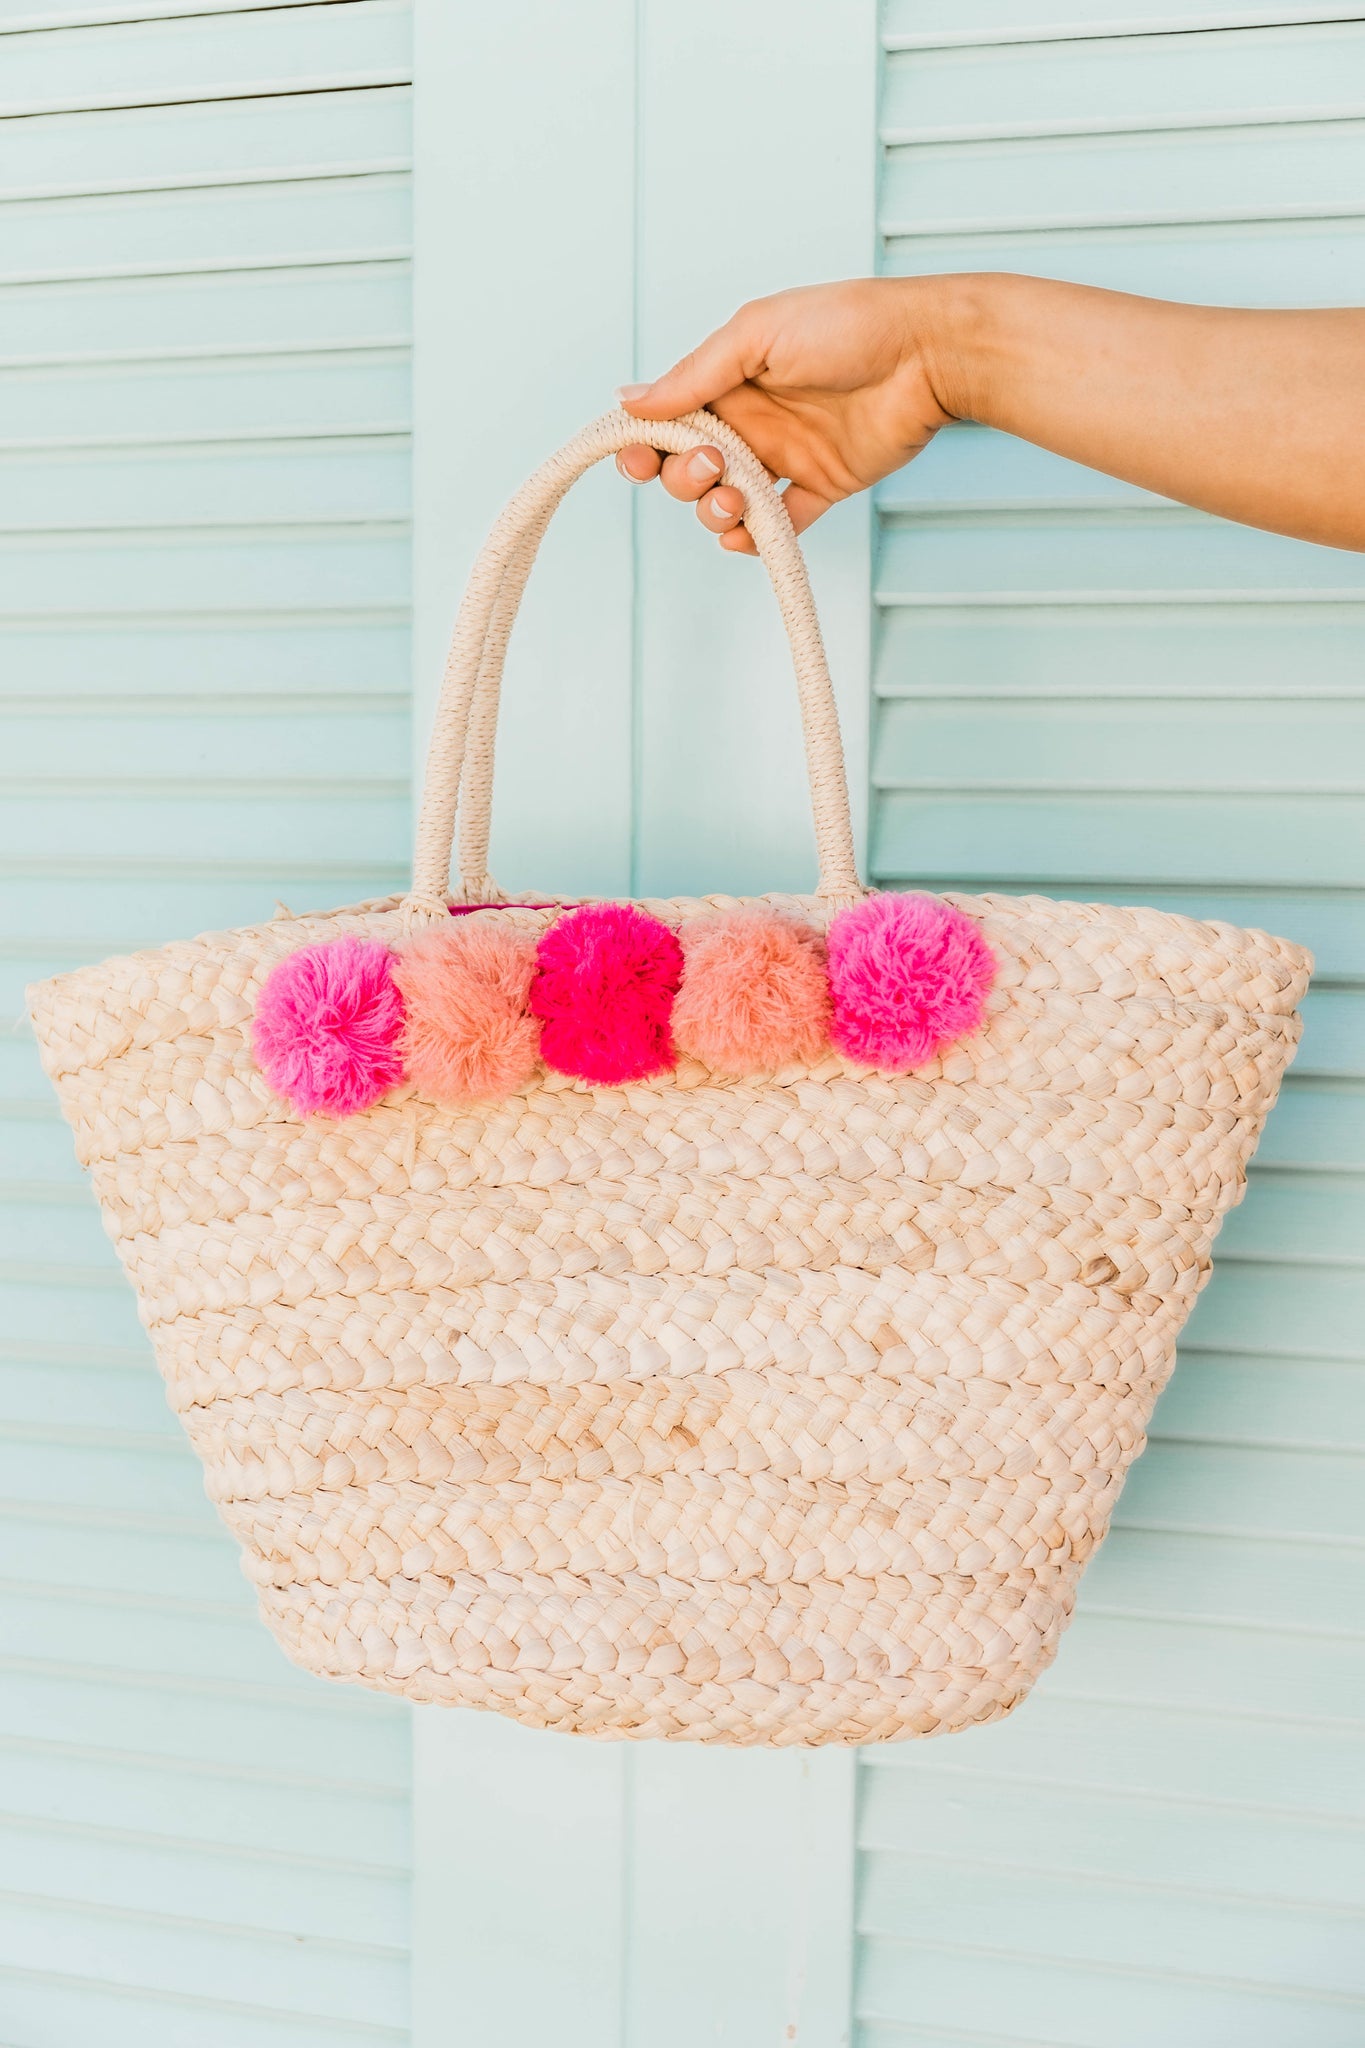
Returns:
point(204, 325)
point(1083, 690)
point(1049, 680)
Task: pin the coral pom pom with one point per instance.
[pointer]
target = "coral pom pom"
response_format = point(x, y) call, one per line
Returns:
point(326, 1027)
point(754, 993)
point(469, 1034)
point(908, 974)
point(605, 980)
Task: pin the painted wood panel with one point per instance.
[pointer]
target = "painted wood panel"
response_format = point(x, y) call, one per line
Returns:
point(1287, 172)
point(204, 593)
point(1086, 691)
point(204, 326)
point(939, 24)
point(351, 479)
point(719, 689)
point(19, 16)
point(358, 390)
point(210, 228)
point(973, 1995)
point(332, 1905)
point(1263, 1944)
point(649, 1894)
point(329, 306)
point(225, 143)
point(1238, 264)
point(1251, 1855)
point(40, 2000)
point(1139, 82)
point(237, 53)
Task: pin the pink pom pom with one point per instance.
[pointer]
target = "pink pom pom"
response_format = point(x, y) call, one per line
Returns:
point(469, 1032)
point(326, 1028)
point(908, 974)
point(605, 980)
point(754, 993)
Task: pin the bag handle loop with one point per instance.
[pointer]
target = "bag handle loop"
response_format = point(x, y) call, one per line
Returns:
point(460, 754)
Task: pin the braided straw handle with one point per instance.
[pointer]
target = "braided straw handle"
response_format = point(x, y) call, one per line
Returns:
point(460, 755)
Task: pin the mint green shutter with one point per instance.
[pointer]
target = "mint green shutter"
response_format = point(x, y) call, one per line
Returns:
point(650, 1895)
point(204, 318)
point(1084, 690)
point(203, 630)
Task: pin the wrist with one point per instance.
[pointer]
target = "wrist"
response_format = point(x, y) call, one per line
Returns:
point(955, 329)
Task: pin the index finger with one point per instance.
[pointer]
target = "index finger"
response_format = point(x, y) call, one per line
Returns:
point(725, 359)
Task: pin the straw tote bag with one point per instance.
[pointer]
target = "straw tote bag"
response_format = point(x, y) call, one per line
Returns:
point(774, 1406)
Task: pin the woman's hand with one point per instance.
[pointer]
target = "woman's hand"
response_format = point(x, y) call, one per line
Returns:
point(1256, 415)
point(833, 386)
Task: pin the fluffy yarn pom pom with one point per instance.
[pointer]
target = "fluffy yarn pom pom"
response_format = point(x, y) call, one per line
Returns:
point(605, 980)
point(754, 993)
point(908, 975)
point(326, 1028)
point(469, 1032)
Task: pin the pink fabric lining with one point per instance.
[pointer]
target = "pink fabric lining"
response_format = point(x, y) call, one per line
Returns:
point(468, 909)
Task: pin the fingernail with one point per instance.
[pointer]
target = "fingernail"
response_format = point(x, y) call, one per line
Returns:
point(631, 390)
point(701, 465)
point(628, 475)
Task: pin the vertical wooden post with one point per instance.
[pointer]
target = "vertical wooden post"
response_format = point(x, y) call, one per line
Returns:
point(585, 207)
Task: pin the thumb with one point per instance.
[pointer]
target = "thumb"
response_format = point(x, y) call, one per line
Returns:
point(711, 369)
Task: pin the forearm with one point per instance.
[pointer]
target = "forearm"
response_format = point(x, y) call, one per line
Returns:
point(1257, 416)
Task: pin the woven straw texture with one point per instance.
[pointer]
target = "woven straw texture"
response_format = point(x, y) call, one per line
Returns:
point(784, 1410)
